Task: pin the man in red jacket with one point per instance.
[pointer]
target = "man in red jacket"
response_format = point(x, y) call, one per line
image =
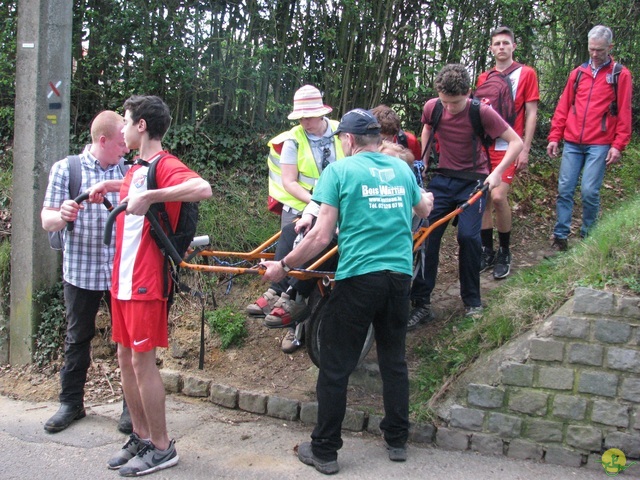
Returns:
point(593, 117)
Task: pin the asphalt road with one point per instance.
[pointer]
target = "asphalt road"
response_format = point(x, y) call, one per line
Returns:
point(214, 443)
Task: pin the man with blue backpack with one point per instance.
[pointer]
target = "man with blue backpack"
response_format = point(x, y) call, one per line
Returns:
point(463, 128)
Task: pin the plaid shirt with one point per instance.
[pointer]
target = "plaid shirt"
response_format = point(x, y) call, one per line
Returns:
point(87, 262)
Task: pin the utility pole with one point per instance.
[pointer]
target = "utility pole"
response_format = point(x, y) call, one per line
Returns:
point(41, 137)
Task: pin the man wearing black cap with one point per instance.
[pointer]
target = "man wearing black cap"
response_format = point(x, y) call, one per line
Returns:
point(369, 196)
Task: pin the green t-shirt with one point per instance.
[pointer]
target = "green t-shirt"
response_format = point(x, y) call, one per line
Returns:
point(374, 194)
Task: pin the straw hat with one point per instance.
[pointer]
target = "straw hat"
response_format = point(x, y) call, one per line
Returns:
point(307, 102)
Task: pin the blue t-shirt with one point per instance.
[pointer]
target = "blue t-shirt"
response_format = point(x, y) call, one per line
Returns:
point(375, 194)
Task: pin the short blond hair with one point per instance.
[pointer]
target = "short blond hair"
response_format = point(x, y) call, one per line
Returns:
point(107, 123)
point(397, 150)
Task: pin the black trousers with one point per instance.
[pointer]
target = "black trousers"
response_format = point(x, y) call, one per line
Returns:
point(381, 298)
point(448, 194)
point(82, 307)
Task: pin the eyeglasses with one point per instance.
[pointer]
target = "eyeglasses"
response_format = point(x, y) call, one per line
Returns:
point(326, 153)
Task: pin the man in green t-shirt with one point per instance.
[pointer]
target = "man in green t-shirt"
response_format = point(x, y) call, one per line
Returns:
point(371, 198)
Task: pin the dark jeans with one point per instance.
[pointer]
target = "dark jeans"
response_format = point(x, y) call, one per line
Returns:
point(285, 245)
point(381, 298)
point(448, 193)
point(82, 307)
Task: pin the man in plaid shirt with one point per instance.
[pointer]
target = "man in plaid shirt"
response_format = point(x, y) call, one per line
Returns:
point(87, 262)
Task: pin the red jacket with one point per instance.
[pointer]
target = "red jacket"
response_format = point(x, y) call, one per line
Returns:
point(413, 144)
point(589, 121)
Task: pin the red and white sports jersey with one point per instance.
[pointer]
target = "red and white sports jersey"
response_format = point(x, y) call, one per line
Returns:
point(138, 267)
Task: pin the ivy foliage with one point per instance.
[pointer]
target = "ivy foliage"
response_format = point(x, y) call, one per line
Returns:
point(49, 339)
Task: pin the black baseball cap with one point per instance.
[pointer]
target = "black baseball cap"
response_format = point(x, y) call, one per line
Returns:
point(359, 122)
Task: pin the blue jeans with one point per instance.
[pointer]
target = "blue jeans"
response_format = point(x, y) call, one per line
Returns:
point(590, 161)
point(448, 194)
point(381, 298)
point(82, 307)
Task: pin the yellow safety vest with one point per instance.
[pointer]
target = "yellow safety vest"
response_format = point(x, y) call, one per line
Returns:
point(308, 173)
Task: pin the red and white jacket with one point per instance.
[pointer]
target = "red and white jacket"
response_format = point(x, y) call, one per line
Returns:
point(588, 121)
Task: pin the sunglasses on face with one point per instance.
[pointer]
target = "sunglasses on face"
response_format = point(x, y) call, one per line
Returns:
point(326, 153)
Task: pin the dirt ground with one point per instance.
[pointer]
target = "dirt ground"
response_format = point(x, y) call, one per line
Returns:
point(258, 365)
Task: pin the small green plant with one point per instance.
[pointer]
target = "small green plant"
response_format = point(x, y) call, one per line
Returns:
point(49, 339)
point(228, 325)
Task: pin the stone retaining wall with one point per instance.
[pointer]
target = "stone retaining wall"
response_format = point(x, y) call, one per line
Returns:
point(572, 393)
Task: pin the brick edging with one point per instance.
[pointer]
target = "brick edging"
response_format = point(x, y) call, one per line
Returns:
point(276, 406)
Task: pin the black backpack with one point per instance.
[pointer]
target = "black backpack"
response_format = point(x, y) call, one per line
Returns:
point(497, 91)
point(478, 134)
point(185, 229)
point(402, 139)
point(56, 239)
point(615, 74)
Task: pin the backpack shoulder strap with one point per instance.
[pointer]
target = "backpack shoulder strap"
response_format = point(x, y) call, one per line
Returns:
point(615, 74)
point(75, 175)
point(576, 82)
point(476, 121)
point(151, 174)
point(436, 115)
point(512, 68)
point(617, 68)
point(124, 166)
point(159, 212)
point(478, 131)
point(158, 209)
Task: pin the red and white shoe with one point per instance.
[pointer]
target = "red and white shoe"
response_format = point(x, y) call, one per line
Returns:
point(286, 312)
point(263, 305)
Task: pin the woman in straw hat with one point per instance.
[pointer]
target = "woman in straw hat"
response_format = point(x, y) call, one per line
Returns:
point(297, 156)
point(296, 159)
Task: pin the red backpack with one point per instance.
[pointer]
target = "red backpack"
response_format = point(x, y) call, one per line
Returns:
point(497, 92)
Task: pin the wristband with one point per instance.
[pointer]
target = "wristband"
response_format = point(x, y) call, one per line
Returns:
point(285, 267)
